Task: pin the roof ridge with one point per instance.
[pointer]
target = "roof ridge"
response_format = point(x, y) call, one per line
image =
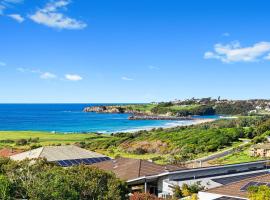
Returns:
point(42, 149)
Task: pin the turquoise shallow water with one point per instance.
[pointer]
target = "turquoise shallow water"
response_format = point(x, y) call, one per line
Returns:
point(69, 118)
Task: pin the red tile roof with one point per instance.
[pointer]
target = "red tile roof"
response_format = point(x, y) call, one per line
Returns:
point(7, 152)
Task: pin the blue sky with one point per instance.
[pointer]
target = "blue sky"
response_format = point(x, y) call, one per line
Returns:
point(133, 51)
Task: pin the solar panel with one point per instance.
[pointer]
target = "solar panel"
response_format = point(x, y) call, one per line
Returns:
point(107, 158)
point(80, 161)
point(68, 162)
point(62, 163)
point(95, 160)
point(74, 162)
point(245, 187)
point(86, 161)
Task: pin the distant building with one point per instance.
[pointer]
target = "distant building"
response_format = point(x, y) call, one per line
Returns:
point(64, 156)
point(236, 190)
point(261, 150)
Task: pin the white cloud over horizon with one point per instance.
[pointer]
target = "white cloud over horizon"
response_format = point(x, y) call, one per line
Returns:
point(73, 77)
point(127, 78)
point(233, 52)
point(16, 17)
point(51, 17)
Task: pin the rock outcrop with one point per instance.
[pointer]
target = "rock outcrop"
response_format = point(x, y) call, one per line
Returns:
point(105, 109)
point(135, 115)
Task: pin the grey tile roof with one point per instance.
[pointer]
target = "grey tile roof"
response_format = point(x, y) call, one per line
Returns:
point(55, 153)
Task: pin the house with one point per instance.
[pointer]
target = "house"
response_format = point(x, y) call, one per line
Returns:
point(261, 150)
point(209, 177)
point(65, 156)
point(236, 190)
point(129, 169)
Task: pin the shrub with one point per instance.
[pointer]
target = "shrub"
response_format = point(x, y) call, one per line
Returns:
point(144, 196)
point(5, 188)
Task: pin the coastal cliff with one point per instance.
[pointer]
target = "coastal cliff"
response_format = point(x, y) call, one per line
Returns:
point(111, 109)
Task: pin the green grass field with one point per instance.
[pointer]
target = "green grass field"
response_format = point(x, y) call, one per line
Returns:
point(46, 138)
point(239, 157)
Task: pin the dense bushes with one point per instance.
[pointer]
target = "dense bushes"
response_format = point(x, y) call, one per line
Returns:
point(238, 107)
point(259, 193)
point(44, 181)
point(187, 190)
point(144, 196)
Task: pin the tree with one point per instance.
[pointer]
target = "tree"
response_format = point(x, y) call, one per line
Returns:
point(259, 193)
point(39, 180)
point(177, 192)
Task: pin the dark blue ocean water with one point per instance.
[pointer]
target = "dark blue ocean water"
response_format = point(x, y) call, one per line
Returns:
point(70, 118)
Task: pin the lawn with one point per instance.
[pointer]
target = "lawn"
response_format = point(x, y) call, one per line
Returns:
point(238, 157)
point(46, 138)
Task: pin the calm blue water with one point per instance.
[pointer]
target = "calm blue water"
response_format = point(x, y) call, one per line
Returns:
point(70, 118)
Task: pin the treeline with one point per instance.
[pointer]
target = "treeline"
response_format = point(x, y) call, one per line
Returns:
point(40, 180)
point(238, 107)
point(227, 108)
point(196, 110)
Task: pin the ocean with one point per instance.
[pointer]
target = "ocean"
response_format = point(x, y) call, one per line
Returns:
point(70, 118)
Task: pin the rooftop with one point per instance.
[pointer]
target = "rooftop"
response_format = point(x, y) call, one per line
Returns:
point(57, 153)
point(7, 152)
point(127, 168)
point(235, 189)
point(262, 146)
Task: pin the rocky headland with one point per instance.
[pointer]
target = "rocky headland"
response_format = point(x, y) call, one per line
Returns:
point(135, 115)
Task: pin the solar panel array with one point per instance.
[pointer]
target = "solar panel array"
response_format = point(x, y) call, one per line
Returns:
point(253, 183)
point(86, 161)
point(231, 179)
point(228, 198)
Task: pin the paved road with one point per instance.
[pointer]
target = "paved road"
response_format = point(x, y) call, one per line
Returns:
point(219, 154)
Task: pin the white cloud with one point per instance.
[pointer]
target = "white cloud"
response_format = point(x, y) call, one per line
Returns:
point(50, 16)
point(4, 4)
point(73, 77)
point(126, 78)
point(17, 17)
point(2, 8)
point(233, 52)
point(226, 34)
point(27, 70)
point(153, 67)
point(2, 64)
point(48, 75)
point(267, 57)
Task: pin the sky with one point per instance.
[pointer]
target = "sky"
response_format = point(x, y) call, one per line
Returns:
point(99, 51)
